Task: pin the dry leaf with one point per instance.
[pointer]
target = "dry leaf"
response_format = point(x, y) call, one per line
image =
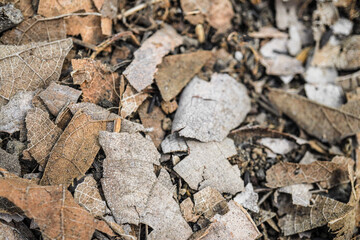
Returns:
point(42, 134)
point(169, 107)
point(53, 209)
point(62, 7)
point(74, 152)
point(234, 225)
point(31, 66)
point(323, 211)
point(299, 193)
point(326, 94)
point(173, 143)
point(35, 29)
point(209, 202)
point(131, 101)
point(349, 82)
point(205, 108)
point(12, 115)
point(9, 233)
point(153, 120)
point(278, 145)
point(248, 199)
point(282, 65)
point(207, 165)
point(268, 32)
point(209, 10)
point(88, 27)
point(187, 210)
point(57, 96)
point(140, 72)
point(325, 123)
point(97, 82)
point(10, 17)
point(176, 71)
point(88, 196)
point(131, 188)
point(10, 162)
point(25, 6)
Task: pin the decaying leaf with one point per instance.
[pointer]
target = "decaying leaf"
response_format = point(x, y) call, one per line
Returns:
point(207, 165)
point(169, 107)
point(10, 162)
point(88, 196)
point(35, 29)
point(187, 210)
point(278, 145)
point(323, 211)
point(12, 115)
point(62, 7)
point(42, 134)
point(9, 233)
point(132, 190)
point(176, 71)
point(153, 120)
point(268, 32)
point(205, 107)
point(209, 10)
point(10, 17)
point(57, 96)
point(75, 150)
point(248, 199)
point(282, 65)
point(263, 216)
point(209, 202)
point(325, 123)
point(131, 101)
point(88, 27)
point(349, 82)
point(140, 72)
point(173, 143)
point(299, 193)
point(97, 82)
point(53, 209)
point(31, 66)
point(234, 225)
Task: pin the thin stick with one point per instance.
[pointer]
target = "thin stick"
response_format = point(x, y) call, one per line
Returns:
point(84, 44)
point(136, 9)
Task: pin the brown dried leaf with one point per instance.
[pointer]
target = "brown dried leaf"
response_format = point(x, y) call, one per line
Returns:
point(207, 165)
point(10, 162)
point(325, 123)
point(286, 173)
point(75, 150)
point(349, 82)
point(187, 210)
point(169, 107)
point(205, 107)
point(209, 202)
point(131, 101)
point(88, 196)
point(268, 32)
point(88, 27)
point(53, 209)
point(31, 66)
point(60, 7)
point(96, 80)
point(9, 233)
point(35, 29)
point(153, 120)
point(42, 134)
point(175, 72)
point(323, 211)
point(234, 225)
point(140, 72)
point(57, 96)
point(10, 17)
point(131, 188)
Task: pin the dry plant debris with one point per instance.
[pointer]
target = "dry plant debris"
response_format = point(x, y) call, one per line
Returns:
point(140, 73)
point(10, 162)
point(248, 199)
point(173, 143)
point(31, 66)
point(209, 202)
point(131, 101)
point(204, 107)
point(207, 165)
point(9, 17)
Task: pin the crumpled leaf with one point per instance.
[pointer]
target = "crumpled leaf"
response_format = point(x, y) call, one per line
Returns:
point(96, 80)
point(209, 10)
point(132, 190)
point(173, 143)
point(35, 29)
point(88, 196)
point(75, 150)
point(140, 73)
point(52, 207)
point(176, 71)
point(42, 134)
point(205, 107)
point(9, 233)
point(248, 199)
point(10, 162)
point(325, 123)
point(12, 115)
point(324, 210)
point(209, 202)
point(131, 101)
point(234, 225)
point(57, 96)
point(206, 165)
point(31, 66)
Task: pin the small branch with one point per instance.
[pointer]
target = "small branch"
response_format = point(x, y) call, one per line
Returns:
point(136, 9)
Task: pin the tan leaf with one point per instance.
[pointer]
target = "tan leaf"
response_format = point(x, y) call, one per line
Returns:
point(31, 66)
point(169, 107)
point(176, 71)
point(205, 107)
point(131, 101)
point(173, 143)
point(140, 72)
point(325, 123)
point(207, 165)
point(52, 207)
point(42, 134)
point(25, 6)
point(209, 202)
point(10, 162)
point(96, 80)
point(349, 82)
point(187, 210)
point(234, 225)
point(88, 27)
point(35, 29)
point(60, 7)
point(248, 199)
point(56, 96)
point(153, 120)
point(74, 152)
point(323, 211)
point(132, 190)
point(88, 196)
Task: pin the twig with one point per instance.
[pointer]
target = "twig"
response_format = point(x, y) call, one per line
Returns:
point(136, 9)
point(84, 44)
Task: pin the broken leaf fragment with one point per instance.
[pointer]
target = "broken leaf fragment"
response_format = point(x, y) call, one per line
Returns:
point(209, 202)
point(10, 162)
point(131, 101)
point(248, 199)
point(205, 107)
